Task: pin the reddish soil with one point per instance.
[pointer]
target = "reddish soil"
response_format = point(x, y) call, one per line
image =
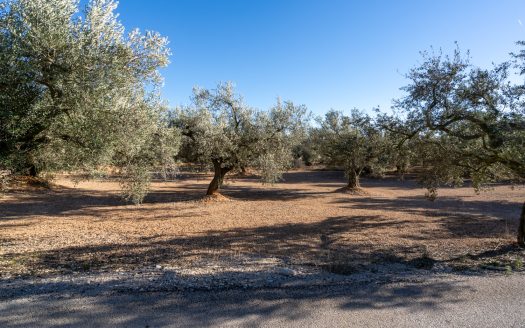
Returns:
point(303, 221)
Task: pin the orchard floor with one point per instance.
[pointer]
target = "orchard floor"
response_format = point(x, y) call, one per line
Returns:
point(302, 222)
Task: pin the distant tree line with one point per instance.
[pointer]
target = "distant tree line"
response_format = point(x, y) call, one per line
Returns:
point(78, 94)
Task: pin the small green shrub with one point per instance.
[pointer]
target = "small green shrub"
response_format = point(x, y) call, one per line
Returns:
point(518, 264)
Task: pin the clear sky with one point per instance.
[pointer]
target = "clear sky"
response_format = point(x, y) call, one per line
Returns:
point(324, 54)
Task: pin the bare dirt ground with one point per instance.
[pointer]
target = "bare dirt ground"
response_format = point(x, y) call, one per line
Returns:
point(299, 222)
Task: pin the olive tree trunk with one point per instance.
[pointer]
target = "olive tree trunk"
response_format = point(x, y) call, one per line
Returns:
point(521, 228)
point(243, 171)
point(353, 180)
point(401, 170)
point(218, 177)
point(33, 172)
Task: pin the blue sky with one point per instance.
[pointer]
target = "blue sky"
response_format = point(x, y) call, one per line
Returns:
point(324, 54)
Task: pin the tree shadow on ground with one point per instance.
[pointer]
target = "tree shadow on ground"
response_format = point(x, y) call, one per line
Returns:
point(312, 177)
point(254, 194)
point(322, 244)
point(459, 217)
point(219, 308)
point(54, 202)
point(191, 187)
point(334, 245)
point(65, 200)
point(343, 244)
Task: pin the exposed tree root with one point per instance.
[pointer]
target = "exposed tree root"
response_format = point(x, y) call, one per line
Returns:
point(216, 197)
point(353, 191)
point(29, 182)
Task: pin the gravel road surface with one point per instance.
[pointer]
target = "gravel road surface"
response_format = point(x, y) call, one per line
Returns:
point(444, 301)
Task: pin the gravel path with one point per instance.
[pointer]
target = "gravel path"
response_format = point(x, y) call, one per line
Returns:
point(411, 300)
point(172, 279)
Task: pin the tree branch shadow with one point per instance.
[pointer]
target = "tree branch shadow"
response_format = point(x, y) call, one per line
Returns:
point(481, 219)
point(217, 308)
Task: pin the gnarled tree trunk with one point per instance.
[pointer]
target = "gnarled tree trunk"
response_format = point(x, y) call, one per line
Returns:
point(521, 228)
point(353, 180)
point(33, 172)
point(218, 177)
point(243, 171)
point(400, 171)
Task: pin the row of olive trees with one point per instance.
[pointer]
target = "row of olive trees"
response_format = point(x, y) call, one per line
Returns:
point(456, 122)
point(79, 94)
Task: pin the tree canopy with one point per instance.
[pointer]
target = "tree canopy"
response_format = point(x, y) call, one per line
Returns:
point(80, 94)
point(470, 121)
point(220, 129)
point(77, 92)
point(353, 142)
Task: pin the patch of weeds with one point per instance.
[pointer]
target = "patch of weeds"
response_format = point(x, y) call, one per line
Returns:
point(464, 257)
point(517, 264)
point(497, 266)
point(88, 262)
point(342, 268)
point(494, 263)
point(86, 266)
point(38, 182)
point(425, 262)
point(462, 267)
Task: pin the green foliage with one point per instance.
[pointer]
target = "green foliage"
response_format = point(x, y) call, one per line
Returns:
point(353, 142)
point(470, 122)
point(77, 93)
point(464, 122)
point(5, 180)
point(402, 151)
point(305, 152)
point(517, 264)
point(219, 128)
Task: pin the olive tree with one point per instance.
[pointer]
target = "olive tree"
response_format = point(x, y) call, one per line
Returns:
point(304, 152)
point(402, 149)
point(78, 93)
point(220, 129)
point(353, 142)
point(471, 122)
